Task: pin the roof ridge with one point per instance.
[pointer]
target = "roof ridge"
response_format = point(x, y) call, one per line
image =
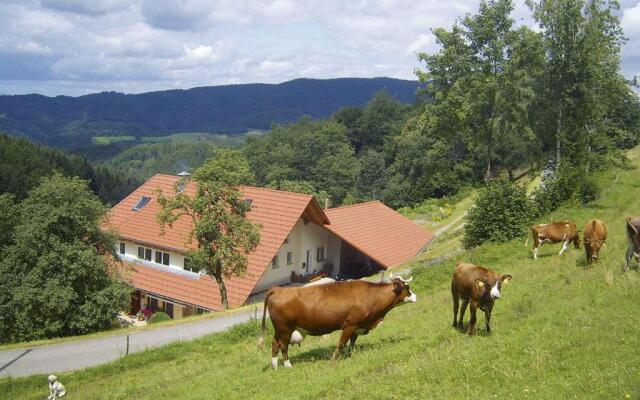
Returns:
point(240, 186)
point(134, 192)
point(309, 196)
point(357, 205)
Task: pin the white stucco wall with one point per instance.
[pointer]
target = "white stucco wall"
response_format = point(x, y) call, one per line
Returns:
point(176, 260)
point(302, 238)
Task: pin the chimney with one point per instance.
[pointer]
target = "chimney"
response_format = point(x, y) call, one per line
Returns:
point(184, 177)
point(326, 203)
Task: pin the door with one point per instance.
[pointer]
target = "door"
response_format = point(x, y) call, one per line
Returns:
point(308, 261)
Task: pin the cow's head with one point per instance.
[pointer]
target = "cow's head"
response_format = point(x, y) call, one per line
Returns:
point(402, 291)
point(593, 249)
point(491, 285)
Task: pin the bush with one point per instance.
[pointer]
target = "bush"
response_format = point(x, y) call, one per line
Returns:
point(159, 317)
point(588, 191)
point(555, 192)
point(502, 211)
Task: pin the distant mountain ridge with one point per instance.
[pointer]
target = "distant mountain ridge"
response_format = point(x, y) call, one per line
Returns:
point(70, 122)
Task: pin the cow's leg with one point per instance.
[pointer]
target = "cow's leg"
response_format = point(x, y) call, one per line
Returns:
point(456, 306)
point(346, 335)
point(536, 244)
point(284, 347)
point(472, 321)
point(465, 302)
point(275, 348)
point(352, 342)
point(628, 257)
point(565, 245)
point(487, 318)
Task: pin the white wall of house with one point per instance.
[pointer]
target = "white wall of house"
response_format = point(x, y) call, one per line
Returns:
point(303, 238)
point(176, 260)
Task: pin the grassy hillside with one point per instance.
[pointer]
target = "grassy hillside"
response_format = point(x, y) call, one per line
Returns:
point(561, 330)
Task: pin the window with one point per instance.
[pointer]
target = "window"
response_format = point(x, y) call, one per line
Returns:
point(289, 258)
point(320, 254)
point(162, 257)
point(153, 304)
point(168, 308)
point(144, 200)
point(123, 247)
point(199, 311)
point(144, 253)
point(274, 262)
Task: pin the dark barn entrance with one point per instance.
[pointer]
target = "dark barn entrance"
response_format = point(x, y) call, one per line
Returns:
point(354, 264)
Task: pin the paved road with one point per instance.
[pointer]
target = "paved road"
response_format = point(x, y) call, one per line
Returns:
point(78, 354)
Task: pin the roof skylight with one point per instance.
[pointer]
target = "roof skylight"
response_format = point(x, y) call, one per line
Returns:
point(144, 200)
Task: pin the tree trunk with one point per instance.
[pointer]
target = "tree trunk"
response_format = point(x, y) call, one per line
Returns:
point(223, 291)
point(488, 176)
point(558, 139)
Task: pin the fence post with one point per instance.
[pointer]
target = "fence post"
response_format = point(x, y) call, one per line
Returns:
point(127, 352)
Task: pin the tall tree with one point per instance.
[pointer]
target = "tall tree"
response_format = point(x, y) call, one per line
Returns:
point(55, 274)
point(582, 40)
point(217, 209)
point(466, 76)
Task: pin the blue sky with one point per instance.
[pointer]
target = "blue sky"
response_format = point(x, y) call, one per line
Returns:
point(75, 47)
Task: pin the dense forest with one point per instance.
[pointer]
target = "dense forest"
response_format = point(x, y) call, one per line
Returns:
point(72, 122)
point(23, 164)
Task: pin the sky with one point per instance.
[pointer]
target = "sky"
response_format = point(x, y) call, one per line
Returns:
point(75, 47)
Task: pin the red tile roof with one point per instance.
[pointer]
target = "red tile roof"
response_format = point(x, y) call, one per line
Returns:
point(276, 211)
point(378, 231)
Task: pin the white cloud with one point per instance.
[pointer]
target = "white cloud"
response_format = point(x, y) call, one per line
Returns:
point(77, 46)
point(424, 42)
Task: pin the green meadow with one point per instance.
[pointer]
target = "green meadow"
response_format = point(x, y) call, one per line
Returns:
point(178, 138)
point(561, 330)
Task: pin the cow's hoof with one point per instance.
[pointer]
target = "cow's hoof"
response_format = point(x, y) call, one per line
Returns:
point(287, 364)
point(274, 363)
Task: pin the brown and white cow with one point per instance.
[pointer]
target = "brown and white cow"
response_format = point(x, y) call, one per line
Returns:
point(633, 237)
point(477, 286)
point(555, 232)
point(355, 307)
point(595, 236)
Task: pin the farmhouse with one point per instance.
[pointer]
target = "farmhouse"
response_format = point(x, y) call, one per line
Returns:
point(297, 238)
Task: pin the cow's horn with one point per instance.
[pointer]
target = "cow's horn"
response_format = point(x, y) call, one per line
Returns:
point(391, 276)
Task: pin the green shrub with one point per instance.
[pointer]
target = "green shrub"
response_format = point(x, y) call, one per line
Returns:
point(555, 192)
point(159, 317)
point(588, 191)
point(502, 211)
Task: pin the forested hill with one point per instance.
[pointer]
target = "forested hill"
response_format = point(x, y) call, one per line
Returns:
point(69, 122)
point(23, 164)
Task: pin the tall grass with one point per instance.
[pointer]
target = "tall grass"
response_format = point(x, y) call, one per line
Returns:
point(562, 330)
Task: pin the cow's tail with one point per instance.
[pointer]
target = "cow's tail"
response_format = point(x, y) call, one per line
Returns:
point(264, 314)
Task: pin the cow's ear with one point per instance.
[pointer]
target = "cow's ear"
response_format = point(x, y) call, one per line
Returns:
point(479, 282)
point(505, 278)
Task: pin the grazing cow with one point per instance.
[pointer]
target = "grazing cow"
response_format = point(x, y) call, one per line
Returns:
point(595, 235)
point(555, 232)
point(633, 236)
point(355, 307)
point(476, 285)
